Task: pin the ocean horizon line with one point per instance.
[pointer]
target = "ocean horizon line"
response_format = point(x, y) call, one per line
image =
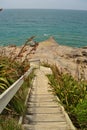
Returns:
point(42, 9)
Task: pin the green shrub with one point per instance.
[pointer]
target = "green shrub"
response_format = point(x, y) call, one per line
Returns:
point(9, 124)
point(81, 113)
point(72, 94)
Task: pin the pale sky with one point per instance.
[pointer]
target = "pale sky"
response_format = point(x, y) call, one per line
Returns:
point(45, 4)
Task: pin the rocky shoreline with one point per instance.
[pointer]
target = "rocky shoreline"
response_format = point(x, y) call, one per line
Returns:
point(68, 59)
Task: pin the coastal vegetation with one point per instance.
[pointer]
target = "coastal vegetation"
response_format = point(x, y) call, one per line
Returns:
point(9, 73)
point(72, 95)
point(16, 108)
point(12, 68)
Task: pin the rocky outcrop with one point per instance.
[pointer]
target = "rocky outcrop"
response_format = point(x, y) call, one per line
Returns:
point(67, 58)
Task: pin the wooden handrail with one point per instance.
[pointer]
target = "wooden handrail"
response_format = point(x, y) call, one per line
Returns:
point(7, 95)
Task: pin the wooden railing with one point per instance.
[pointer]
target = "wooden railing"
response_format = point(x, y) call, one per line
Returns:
point(7, 95)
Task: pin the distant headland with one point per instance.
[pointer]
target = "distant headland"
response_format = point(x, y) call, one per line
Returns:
point(1, 9)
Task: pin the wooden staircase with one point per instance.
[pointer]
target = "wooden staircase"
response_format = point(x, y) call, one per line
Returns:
point(43, 112)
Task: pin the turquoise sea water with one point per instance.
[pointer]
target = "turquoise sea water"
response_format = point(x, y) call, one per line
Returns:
point(68, 27)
